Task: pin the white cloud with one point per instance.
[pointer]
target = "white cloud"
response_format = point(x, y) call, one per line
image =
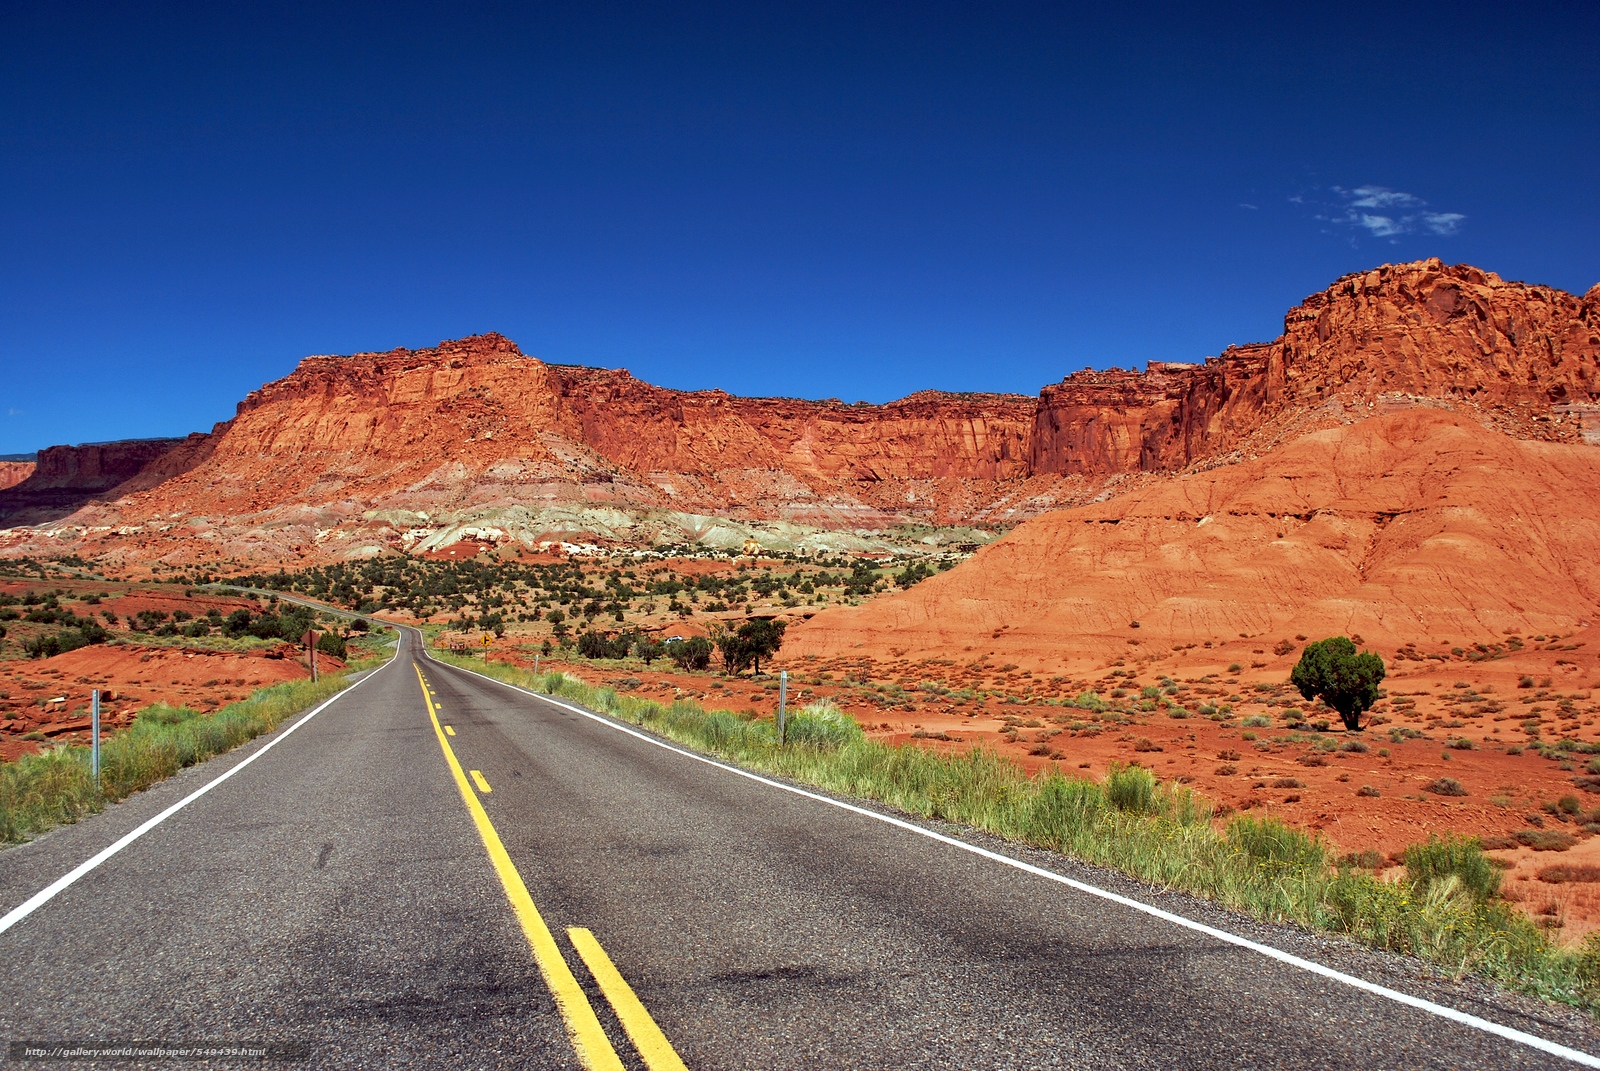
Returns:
point(1380, 197)
point(1442, 222)
point(1402, 213)
point(1381, 226)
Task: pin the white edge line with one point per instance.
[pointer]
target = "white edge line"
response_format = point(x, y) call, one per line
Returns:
point(1443, 1011)
point(49, 892)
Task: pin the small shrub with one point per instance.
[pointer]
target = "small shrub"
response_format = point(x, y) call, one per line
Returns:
point(1132, 789)
point(1446, 786)
point(1267, 840)
point(1564, 873)
point(823, 725)
point(1355, 746)
point(1545, 840)
point(1369, 791)
point(1450, 856)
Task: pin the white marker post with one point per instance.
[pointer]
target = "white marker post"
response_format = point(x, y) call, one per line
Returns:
point(535, 665)
point(783, 698)
point(94, 734)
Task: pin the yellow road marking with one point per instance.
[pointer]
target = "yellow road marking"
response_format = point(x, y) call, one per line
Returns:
point(449, 731)
point(583, 1028)
point(654, 1048)
point(483, 786)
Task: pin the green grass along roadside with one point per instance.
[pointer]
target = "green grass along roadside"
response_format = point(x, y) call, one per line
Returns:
point(1445, 911)
point(55, 787)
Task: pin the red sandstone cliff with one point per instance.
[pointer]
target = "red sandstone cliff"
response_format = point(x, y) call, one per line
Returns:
point(476, 419)
point(475, 425)
point(1524, 353)
point(14, 472)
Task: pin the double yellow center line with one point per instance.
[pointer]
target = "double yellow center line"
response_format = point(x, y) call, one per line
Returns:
point(583, 1026)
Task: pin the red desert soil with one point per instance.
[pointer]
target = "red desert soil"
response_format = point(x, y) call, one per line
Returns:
point(1432, 704)
point(129, 677)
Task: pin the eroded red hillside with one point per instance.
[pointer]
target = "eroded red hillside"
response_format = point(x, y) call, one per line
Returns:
point(1416, 526)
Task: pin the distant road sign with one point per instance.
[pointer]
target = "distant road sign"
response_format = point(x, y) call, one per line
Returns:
point(487, 639)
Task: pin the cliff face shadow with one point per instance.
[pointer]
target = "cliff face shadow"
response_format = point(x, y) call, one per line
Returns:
point(67, 478)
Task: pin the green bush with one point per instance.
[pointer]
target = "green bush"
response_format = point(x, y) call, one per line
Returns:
point(331, 643)
point(1450, 856)
point(48, 646)
point(693, 653)
point(822, 725)
point(605, 645)
point(1131, 788)
point(1269, 841)
point(1348, 682)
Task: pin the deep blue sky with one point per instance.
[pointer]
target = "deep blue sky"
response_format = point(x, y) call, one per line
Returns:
point(846, 201)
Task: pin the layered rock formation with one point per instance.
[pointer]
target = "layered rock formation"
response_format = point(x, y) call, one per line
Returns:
point(1403, 528)
point(413, 447)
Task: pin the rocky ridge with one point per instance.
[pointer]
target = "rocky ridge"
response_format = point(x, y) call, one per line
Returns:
point(1525, 357)
point(416, 449)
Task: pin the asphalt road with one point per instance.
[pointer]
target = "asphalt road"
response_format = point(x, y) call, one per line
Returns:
point(339, 893)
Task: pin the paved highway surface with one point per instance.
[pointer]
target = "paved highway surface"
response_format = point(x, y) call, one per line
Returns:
point(457, 874)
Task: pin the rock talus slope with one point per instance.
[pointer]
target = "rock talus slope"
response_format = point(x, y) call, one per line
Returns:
point(1399, 528)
